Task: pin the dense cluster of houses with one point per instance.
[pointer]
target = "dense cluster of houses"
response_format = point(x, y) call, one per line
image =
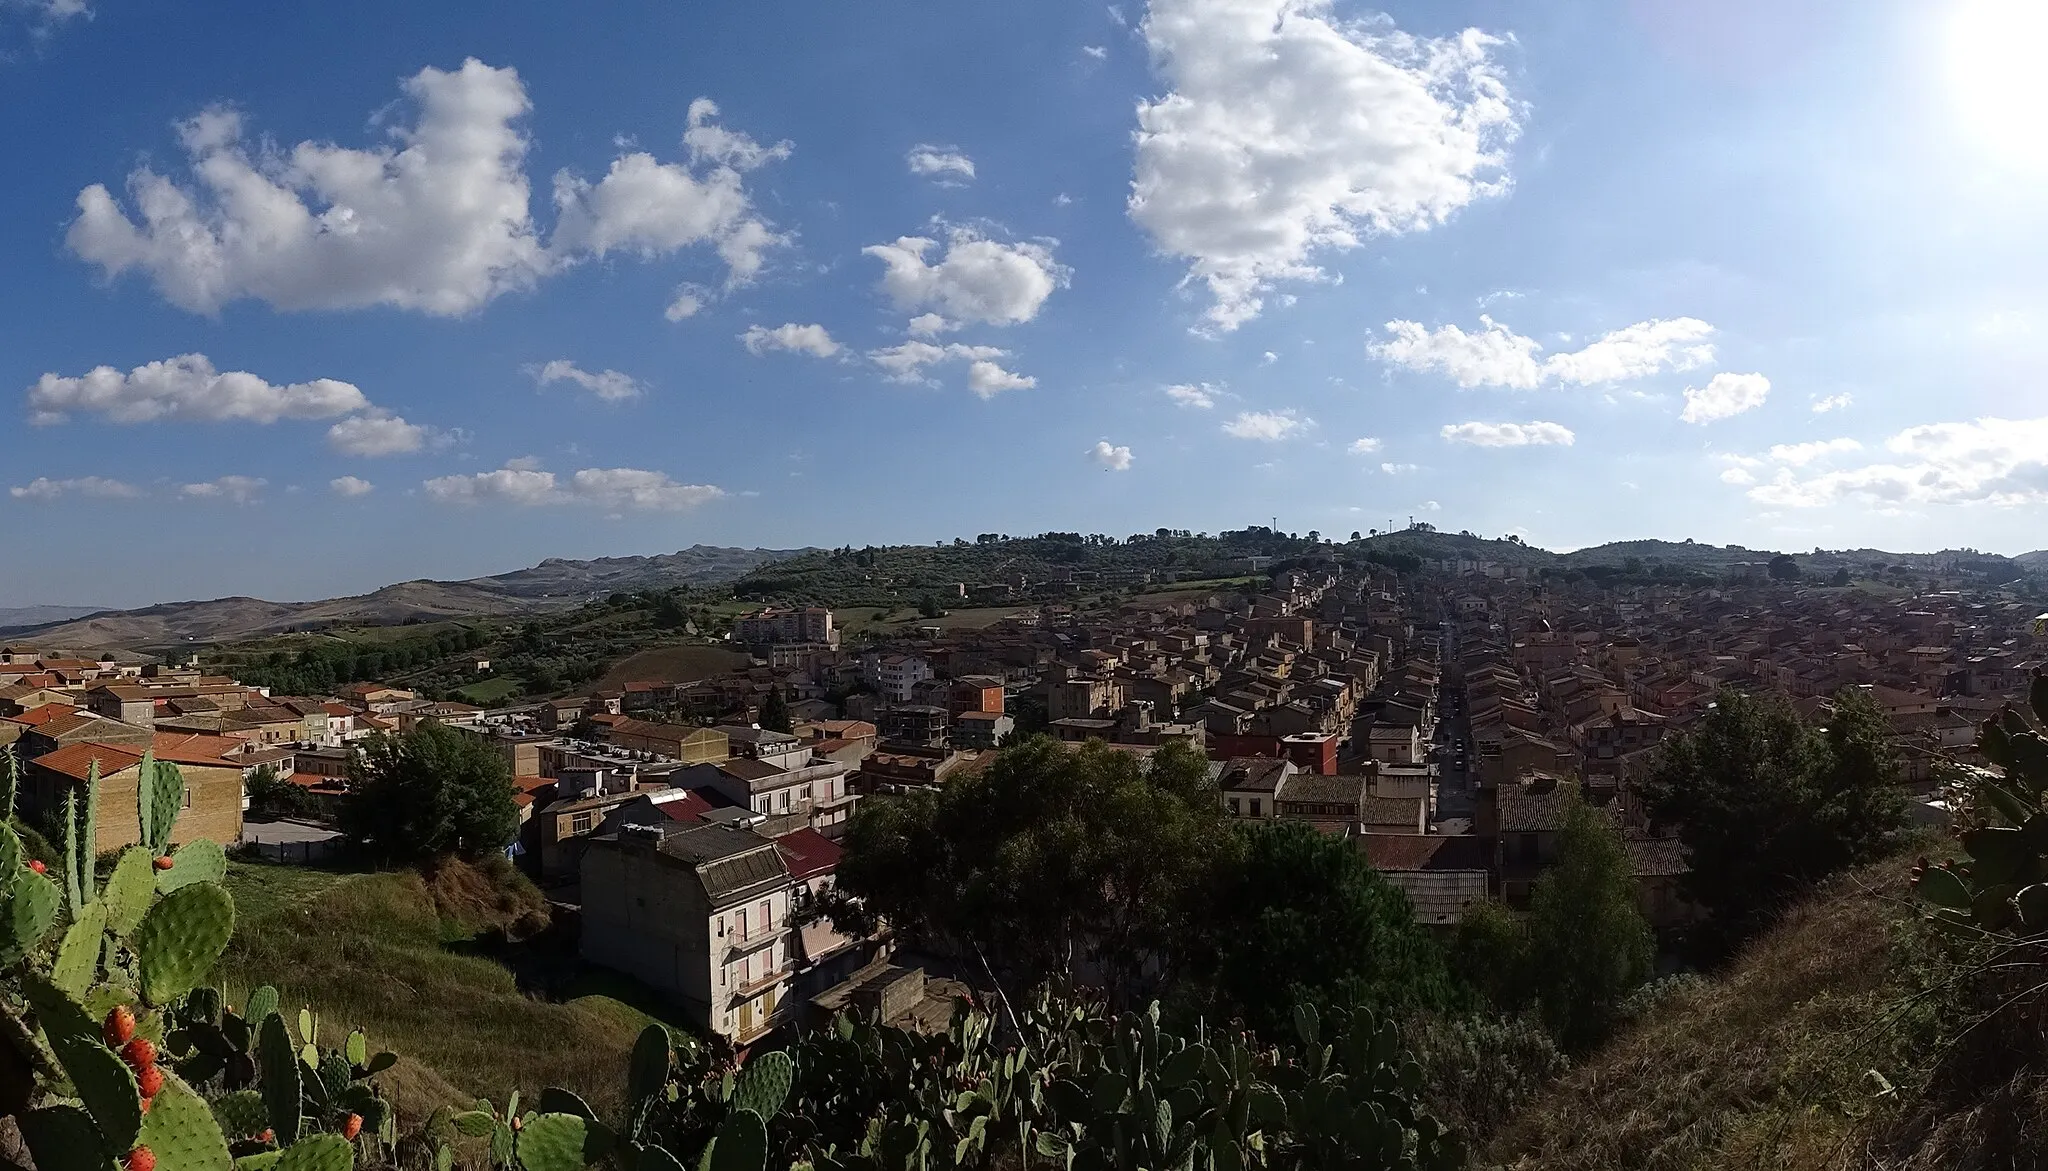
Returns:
point(1441, 722)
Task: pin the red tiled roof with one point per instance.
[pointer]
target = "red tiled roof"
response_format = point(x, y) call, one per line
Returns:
point(314, 782)
point(1423, 851)
point(809, 853)
point(689, 807)
point(66, 723)
point(36, 717)
point(76, 760)
point(196, 748)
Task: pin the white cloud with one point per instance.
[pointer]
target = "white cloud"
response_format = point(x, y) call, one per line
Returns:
point(1201, 396)
point(930, 325)
point(187, 387)
point(43, 488)
point(1099, 52)
point(1724, 396)
point(1533, 434)
point(943, 161)
point(1365, 446)
point(1112, 458)
point(1833, 402)
point(688, 300)
point(1493, 356)
point(790, 337)
point(233, 489)
point(1990, 461)
point(988, 380)
point(906, 362)
point(1399, 469)
point(437, 219)
point(617, 489)
point(977, 279)
point(1268, 358)
point(377, 434)
point(1289, 131)
point(1738, 475)
point(350, 486)
point(608, 385)
point(1266, 426)
point(1800, 454)
point(1496, 355)
point(1431, 506)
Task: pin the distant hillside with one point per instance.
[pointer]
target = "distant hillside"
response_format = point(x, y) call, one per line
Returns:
point(11, 616)
point(2038, 559)
point(552, 583)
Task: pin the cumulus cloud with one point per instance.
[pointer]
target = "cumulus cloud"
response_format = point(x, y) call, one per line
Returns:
point(1989, 461)
point(976, 278)
point(988, 380)
point(1399, 469)
point(1497, 356)
point(187, 388)
point(792, 338)
point(1201, 396)
point(1099, 52)
point(377, 434)
point(437, 219)
point(608, 385)
point(930, 325)
point(1114, 458)
point(618, 489)
point(1533, 434)
point(350, 486)
point(908, 361)
point(1724, 396)
point(1288, 131)
point(943, 162)
point(1833, 402)
point(1365, 446)
point(687, 301)
point(99, 487)
point(1266, 426)
point(232, 489)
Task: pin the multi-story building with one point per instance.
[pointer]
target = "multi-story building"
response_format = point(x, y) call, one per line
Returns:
point(895, 677)
point(776, 625)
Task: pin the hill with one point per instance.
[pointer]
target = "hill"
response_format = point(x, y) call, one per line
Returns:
point(1842, 1038)
point(553, 583)
point(42, 615)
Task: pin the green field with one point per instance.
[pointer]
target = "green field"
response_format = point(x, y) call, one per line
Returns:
point(489, 690)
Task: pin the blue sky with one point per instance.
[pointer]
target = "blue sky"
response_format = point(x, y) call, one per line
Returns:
point(301, 300)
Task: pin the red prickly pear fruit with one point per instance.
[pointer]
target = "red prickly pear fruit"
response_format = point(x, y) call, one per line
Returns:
point(517, 1123)
point(119, 1026)
point(268, 1135)
point(140, 1159)
point(354, 1127)
point(36, 864)
point(149, 1081)
point(139, 1053)
point(164, 863)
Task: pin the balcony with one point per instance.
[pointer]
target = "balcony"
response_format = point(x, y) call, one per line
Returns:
point(738, 944)
point(761, 983)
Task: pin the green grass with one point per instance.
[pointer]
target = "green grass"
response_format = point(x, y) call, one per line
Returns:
point(417, 967)
point(489, 690)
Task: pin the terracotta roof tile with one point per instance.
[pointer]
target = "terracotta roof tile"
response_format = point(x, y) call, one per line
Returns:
point(76, 760)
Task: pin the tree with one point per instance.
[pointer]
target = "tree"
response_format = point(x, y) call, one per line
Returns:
point(1766, 806)
point(1588, 944)
point(428, 793)
point(1841, 577)
point(929, 607)
point(1051, 862)
point(1298, 916)
point(1783, 568)
point(775, 712)
point(271, 795)
point(1489, 955)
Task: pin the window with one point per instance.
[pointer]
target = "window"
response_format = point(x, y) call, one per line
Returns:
point(1236, 807)
point(1255, 807)
point(782, 801)
point(580, 823)
point(188, 796)
point(767, 915)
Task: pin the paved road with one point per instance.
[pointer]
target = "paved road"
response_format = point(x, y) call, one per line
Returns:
point(1456, 787)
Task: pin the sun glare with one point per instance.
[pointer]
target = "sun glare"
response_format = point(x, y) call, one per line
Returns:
point(1995, 50)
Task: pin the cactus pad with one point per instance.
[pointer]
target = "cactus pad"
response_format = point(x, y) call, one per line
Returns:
point(10, 842)
point(474, 1123)
point(357, 1048)
point(78, 957)
point(59, 1014)
point(181, 1131)
point(556, 1142)
point(261, 1003)
point(159, 794)
point(318, 1152)
point(198, 860)
point(180, 939)
point(763, 1084)
point(260, 1161)
point(281, 1086)
point(105, 1085)
point(742, 1143)
point(63, 1138)
point(30, 913)
point(129, 890)
point(241, 1113)
point(648, 1071)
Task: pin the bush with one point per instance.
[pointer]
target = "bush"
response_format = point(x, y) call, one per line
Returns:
point(1478, 1070)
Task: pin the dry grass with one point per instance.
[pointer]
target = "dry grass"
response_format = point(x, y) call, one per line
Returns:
point(394, 954)
point(1764, 1068)
point(671, 664)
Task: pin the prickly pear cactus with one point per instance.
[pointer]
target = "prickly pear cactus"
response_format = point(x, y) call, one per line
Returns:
point(180, 939)
point(180, 1130)
point(763, 1084)
point(2001, 887)
point(130, 889)
point(559, 1142)
point(199, 860)
point(319, 1152)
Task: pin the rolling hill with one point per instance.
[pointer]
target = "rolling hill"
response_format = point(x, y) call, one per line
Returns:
point(553, 583)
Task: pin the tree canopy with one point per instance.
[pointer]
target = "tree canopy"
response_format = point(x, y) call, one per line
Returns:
point(1588, 945)
point(1767, 805)
point(427, 793)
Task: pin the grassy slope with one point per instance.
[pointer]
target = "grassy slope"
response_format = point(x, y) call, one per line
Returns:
point(1769, 1065)
point(374, 950)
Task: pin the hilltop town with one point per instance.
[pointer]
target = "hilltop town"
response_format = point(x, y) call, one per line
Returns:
point(1439, 716)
